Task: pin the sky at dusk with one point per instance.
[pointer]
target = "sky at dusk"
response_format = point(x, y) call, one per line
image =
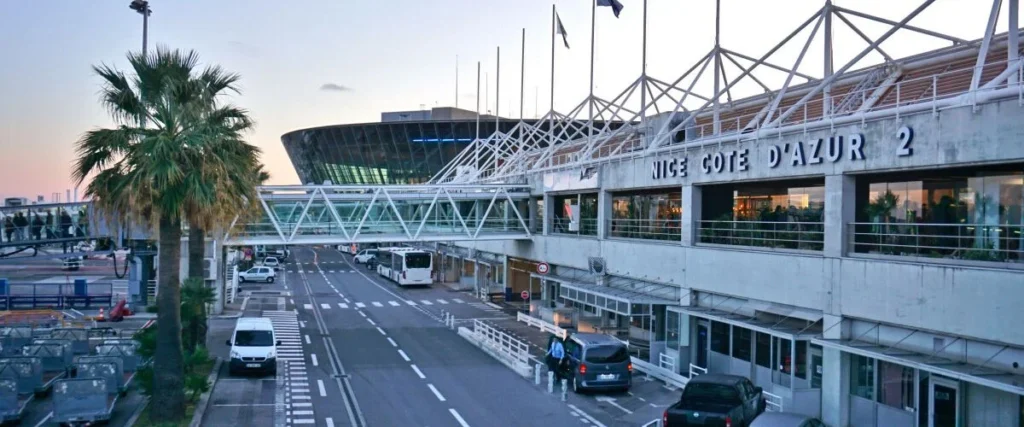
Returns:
point(318, 62)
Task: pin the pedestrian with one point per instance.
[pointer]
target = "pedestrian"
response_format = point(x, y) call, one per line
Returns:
point(48, 224)
point(555, 356)
point(21, 223)
point(37, 227)
point(9, 228)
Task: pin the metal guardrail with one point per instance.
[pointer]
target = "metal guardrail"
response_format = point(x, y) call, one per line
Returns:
point(771, 234)
point(667, 361)
point(773, 402)
point(969, 242)
point(541, 324)
point(669, 377)
point(583, 227)
point(516, 350)
point(653, 423)
point(648, 229)
point(697, 370)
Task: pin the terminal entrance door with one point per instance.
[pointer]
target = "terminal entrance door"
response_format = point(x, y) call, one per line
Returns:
point(944, 399)
point(703, 344)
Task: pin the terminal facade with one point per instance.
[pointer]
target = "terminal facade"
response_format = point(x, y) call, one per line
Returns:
point(863, 263)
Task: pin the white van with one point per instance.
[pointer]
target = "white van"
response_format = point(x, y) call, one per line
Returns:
point(253, 346)
point(365, 255)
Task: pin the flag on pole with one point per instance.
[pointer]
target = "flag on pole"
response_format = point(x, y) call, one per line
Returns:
point(615, 5)
point(561, 30)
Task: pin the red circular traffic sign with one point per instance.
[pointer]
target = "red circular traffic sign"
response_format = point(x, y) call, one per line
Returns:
point(525, 294)
point(543, 268)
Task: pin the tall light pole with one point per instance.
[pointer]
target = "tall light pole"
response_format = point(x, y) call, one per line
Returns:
point(142, 8)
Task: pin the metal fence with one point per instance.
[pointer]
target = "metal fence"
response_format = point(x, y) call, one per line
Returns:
point(972, 242)
point(515, 349)
point(583, 227)
point(650, 229)
point(767, 234)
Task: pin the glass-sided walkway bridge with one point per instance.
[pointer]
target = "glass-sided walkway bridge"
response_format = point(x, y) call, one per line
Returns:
point(334, 215)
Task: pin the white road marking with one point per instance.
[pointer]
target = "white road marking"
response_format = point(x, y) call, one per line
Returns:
point(458, 300)
point(307, 306)
point(45, 419)
point(342, 305)
point(329, 421)
point(458, 417)
point(315, 363)
point(393, 303)
point(442, 301)
point(291, 301)
point(307, 340)
point(381, 331)
point(371, 321)
point(404, 356)
point(587, 416)
point(377, 304)
point(302, 412)
point(325, 306)
point(320, 385)
point(360, 305)
point(410, 302)
point(362, 314)
point(611, 401)
point(302, 405)
point(436, 393)
point(393, 343)
point(418, 372)
point(425, 302)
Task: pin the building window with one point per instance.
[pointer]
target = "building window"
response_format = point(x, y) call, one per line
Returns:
point(862, 376)
point(896, 385)
point(646, 215)
point(763, 350)
point(672, 330)
point(720, 338)
point(741, 343)
point(801, 359)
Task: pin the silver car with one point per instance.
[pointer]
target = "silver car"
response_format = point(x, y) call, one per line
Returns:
point(785, 419)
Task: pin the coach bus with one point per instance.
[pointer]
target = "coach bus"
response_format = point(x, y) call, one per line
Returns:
point(405, 266)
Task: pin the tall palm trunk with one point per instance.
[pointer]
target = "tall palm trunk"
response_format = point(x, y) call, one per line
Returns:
point(168, 364)
point(196, 253)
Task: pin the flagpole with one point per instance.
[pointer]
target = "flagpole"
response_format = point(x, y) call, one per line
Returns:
point(497, 90)
point(643, 74)
point(522, 77)
point(476, 143)
point(456, 81)
point(551, 114)
point(593, 28)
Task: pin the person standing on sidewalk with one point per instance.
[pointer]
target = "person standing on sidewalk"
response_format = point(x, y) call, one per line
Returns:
point(555, 356)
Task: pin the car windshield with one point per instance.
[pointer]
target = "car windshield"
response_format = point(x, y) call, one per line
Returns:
point(254, 339)
point(607, 354)
point(706, 391)
point(417, 261)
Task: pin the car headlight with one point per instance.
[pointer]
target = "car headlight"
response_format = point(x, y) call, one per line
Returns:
point(235, 355)
point(272, 354)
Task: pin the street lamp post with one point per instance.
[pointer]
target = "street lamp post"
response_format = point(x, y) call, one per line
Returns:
point(142, 8)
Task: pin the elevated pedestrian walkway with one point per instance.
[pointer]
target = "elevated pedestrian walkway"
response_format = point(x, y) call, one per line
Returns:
point(51, 225)
point(335, 215)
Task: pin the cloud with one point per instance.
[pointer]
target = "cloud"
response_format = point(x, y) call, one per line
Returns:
point(335, 87)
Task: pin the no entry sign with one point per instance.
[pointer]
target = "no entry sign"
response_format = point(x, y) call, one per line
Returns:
point(525, 295)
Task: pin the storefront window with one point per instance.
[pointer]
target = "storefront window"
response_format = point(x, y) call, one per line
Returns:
point(646, 215)
point(720, 338)
point(896, 385)
point(780, 214)
point(862, 376)
point(741, 343)
point(672, 330)
point(763, 350)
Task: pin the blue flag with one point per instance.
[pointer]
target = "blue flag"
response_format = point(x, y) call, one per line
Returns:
point(615, 5)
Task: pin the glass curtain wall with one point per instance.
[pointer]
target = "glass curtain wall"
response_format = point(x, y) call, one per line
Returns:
point(575, 214)
point(652, 215)
point(783, 214)
point(966, 214)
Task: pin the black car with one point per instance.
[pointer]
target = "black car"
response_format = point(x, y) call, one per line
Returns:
point(716, 400)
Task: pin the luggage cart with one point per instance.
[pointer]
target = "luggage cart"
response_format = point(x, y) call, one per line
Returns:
point(84, 401)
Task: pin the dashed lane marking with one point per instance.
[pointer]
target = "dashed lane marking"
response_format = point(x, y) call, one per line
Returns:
point(458, 417)
point(342, 305)
point(393, 303)
point(360, 305)
point(418, 372)
point(377, 304)
point(436, 393)
point(404, 356)
point(325, 306)
point(426, 302)
point(320, 385)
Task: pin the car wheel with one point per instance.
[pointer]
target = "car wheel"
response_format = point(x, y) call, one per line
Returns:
point(241, 279)
point(270, 280)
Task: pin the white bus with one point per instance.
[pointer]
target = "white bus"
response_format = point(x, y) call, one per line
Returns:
point(405, 266)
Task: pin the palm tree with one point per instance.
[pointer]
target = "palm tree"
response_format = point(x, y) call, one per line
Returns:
point(154, 167)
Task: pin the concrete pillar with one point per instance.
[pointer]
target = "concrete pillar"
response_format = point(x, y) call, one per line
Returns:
point(835, 378)
point(533, 215)
point(840, 210)
point(691, 214)
point(547, 213)
point(218, 280)
point(604, 213)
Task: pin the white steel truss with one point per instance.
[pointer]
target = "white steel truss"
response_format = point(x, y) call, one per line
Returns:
point(335, 215)
point(660, 120)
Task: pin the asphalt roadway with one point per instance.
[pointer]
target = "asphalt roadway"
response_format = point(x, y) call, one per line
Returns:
point(370, 353)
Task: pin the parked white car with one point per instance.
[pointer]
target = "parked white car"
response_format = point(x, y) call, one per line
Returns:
point(272, 262)
point(365, 255)
point(258, 274)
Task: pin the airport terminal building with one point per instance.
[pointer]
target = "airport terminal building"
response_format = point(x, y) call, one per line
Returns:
point(862, 260)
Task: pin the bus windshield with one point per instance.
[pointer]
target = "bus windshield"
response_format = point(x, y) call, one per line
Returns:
point(417, 260)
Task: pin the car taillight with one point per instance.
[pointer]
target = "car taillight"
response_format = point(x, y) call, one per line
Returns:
point(629, 367)
point(728, 421)
point(664, 418)
point(583, 368)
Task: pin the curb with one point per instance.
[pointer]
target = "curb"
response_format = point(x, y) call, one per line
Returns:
point(227, 316)
point(138, 412)
point(204, 400)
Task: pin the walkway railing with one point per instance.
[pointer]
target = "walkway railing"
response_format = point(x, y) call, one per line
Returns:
point(970, 242)
point(541, 324)
point(768, 234)
point(650, 229)
point(583, 227)
point(513, 348)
